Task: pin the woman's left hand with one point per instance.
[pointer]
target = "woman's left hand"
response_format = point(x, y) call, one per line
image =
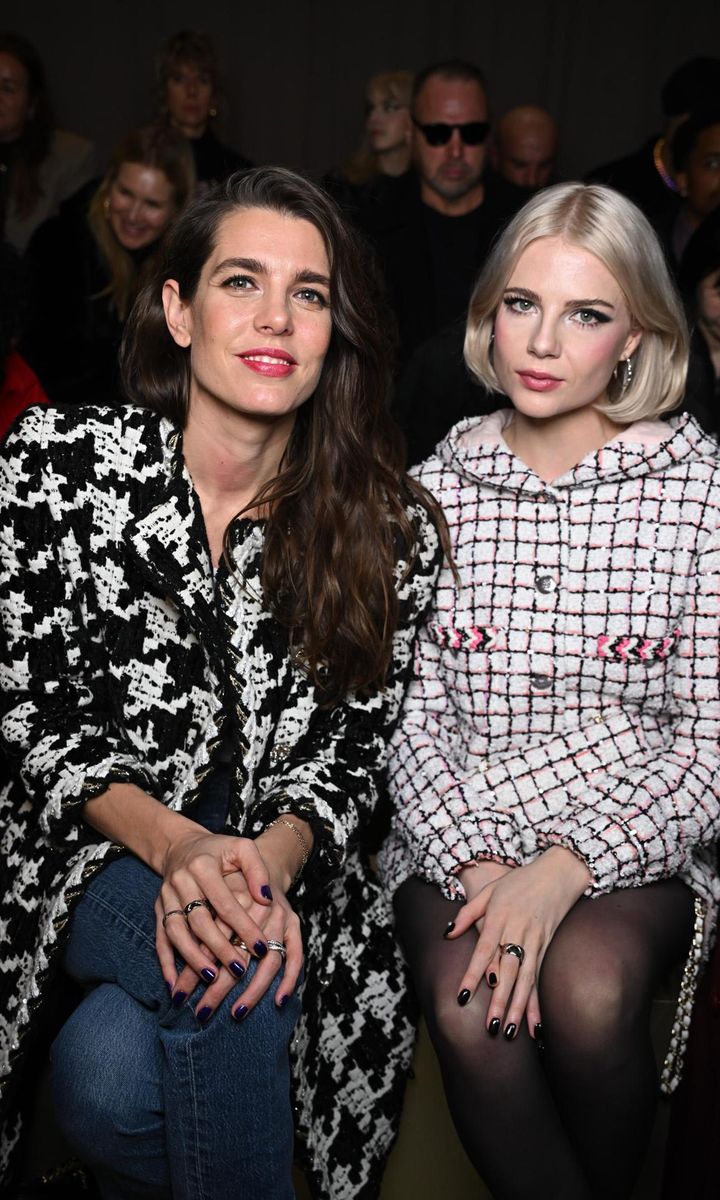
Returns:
point(522, 908)
point(278, 922)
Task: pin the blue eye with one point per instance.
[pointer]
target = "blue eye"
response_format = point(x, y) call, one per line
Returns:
point(310, 296)
point(590, 317)
point(518, 304)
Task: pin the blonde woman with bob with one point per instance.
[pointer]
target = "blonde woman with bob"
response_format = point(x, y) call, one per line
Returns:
point(556, 773)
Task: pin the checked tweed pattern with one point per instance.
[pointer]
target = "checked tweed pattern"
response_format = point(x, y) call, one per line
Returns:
point(589, 716)
point(120, 663)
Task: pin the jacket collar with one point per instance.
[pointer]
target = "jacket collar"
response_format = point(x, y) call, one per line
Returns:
point(168, 542)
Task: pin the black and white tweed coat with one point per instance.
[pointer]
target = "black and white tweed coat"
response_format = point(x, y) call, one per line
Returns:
point(120, 664)
point(567, 686)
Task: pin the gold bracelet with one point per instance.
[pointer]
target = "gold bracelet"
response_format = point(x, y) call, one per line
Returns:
point(301, 838)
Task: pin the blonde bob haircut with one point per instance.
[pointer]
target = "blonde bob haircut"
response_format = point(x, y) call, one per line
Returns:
point(599, 220)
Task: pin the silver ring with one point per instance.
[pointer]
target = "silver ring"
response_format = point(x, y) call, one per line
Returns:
point(279, 946)
point(513, 948)
point(172, 912)
point(201, 902)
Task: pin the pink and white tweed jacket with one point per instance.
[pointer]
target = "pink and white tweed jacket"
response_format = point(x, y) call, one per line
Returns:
point(566, 690)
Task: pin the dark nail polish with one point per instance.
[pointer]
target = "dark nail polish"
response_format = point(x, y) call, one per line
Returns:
point(509, 1032)
point(492, 979)
point(464, 997)
point(260, 949)
point(265, 891)
point(282, 1001)
point(539, 1037)
point(179, 999)
point(237, 969)
point(538, 1031)
point(204, 1014)
point(494, 1027)
point(449, 928)
point(240, 1012)
point(207, 974)
point(169, 986)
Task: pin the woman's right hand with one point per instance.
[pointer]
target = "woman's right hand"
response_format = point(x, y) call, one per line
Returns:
point(277, 921)
point(230, 874)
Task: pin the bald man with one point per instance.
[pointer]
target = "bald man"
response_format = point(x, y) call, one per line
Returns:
point(525, 147)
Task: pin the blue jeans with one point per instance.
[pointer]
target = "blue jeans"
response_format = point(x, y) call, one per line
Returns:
point(155, 1103)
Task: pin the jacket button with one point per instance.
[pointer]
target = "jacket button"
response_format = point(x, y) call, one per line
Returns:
point(540, 683)
point(545, 584)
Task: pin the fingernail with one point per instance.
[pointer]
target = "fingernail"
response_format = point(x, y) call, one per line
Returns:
point(266, 891)
point(207, 974)
point(464, 997)
point(282, 1001)
point(179, 999)
point(237, 969)
point(494, 1027)
point(168, 985)
point(539, 1037)
point(204, 1014)
point(449, 928)
point(492, 979)
point(240, 1012)
point(260, 949)
point(509, 1032)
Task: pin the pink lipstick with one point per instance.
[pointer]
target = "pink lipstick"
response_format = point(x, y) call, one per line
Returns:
point(538, 381)
point(268, 361)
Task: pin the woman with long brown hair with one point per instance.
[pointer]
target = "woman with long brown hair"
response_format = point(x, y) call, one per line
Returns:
point(209, 602)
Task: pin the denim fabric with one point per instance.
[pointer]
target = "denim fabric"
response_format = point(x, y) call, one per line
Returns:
point(155, 1103)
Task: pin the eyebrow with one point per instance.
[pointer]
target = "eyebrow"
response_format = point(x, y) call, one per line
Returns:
point(530, 295)
point(256, 267)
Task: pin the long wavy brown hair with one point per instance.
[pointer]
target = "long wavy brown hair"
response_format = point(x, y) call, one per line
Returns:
point(33, 146)
point(338, 519)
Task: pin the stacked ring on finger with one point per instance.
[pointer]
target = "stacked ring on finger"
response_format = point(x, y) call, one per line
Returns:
point(514, 948)
point(272, 944)
point(201, 902)
point(237, 941)
point(172, 912)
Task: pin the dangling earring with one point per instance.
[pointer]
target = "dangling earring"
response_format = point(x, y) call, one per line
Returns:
point(627, 375)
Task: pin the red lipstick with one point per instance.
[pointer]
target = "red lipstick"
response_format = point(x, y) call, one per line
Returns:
point(268, 361)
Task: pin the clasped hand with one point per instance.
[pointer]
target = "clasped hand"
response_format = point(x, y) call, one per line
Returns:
point(522, 906)
point(248, 906)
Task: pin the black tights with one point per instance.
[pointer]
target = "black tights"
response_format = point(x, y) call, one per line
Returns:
point(571, 1122)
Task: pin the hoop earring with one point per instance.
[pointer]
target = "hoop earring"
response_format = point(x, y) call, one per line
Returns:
point(212, 111)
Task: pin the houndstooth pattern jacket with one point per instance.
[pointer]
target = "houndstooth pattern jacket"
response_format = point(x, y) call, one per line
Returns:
point(121, 663)
point(566, 689)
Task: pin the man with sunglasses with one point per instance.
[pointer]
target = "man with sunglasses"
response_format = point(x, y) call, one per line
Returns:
point(435, 237)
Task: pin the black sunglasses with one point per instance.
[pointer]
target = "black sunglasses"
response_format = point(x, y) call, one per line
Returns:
point(473, 133)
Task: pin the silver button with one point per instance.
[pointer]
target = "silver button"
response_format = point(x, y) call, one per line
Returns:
point(545, 584)
point(540, 683)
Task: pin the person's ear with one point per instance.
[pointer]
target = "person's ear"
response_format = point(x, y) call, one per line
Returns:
point(178, 314)
point(633, 341)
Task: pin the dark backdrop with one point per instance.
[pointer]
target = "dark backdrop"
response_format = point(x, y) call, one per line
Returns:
point(294, 71)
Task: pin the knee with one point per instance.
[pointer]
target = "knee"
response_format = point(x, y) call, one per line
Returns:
point(101, 1096)
point(458, 1033)
point(593, 1000)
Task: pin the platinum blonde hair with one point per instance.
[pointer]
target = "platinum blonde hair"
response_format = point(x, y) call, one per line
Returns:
point(606, 224)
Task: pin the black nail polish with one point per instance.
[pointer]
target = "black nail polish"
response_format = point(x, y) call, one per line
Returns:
point(260, 949)
point(237, 969)
point(464, 997)
point(282, 1001)
point(208, 975)
point(204, 1014)
point(492, 979)
point(494, 1027)
point(509, 1032)
point(240, 1013)
point(266, 891)
point(169, 986)
point(539, 1037)
point(179, 999)
point(449, 928)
